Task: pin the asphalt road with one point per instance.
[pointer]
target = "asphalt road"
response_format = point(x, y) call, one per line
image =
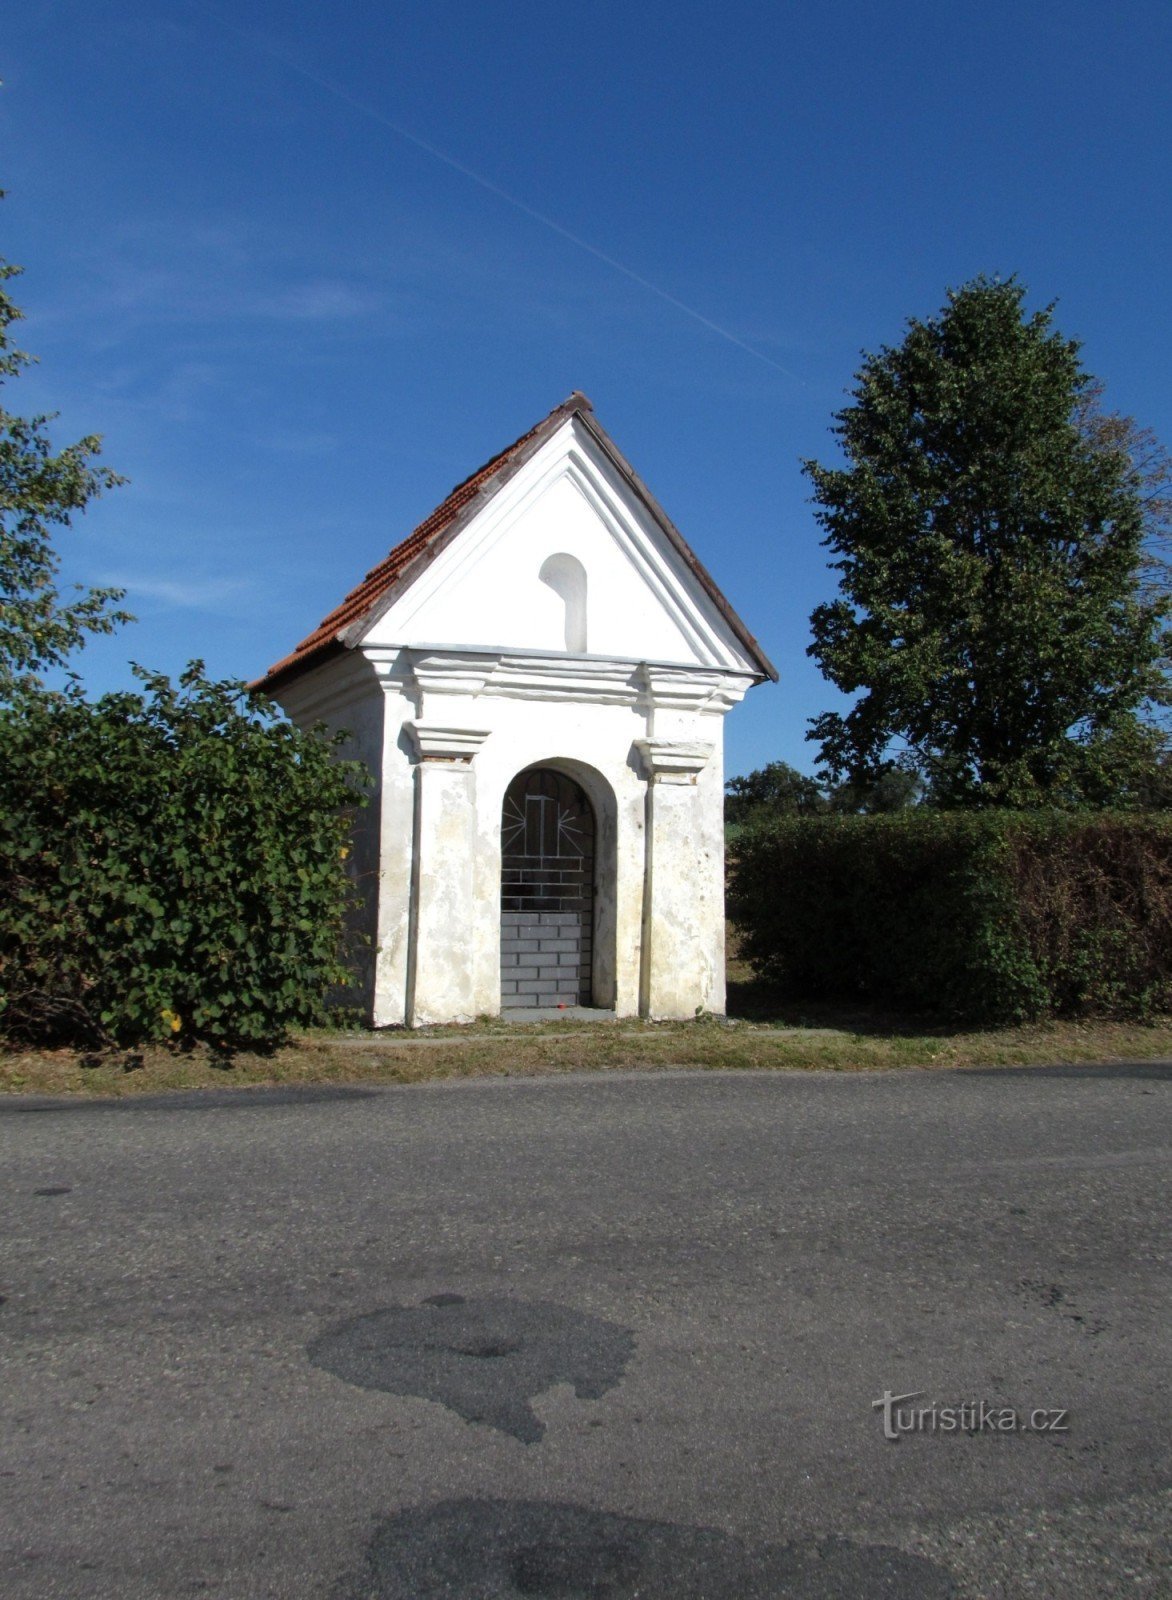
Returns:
point(594, 1336)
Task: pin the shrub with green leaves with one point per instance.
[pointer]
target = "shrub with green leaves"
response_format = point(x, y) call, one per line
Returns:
point(974, 916)
point(172, 866)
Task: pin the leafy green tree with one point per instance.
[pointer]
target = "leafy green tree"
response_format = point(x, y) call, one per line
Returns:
point(1155, 789)
point(774, 789)
point(1150, 470)
point(779, 790)
point(41, 490)
point(894, 789)
point(990, 614)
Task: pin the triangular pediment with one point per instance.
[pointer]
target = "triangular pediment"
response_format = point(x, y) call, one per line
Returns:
point(553, 546)
point(564, 557)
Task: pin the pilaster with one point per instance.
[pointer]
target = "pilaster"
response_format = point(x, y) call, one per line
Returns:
point(440, 985)
point(683, 892)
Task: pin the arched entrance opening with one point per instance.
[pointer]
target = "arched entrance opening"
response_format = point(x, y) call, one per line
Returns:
point(548, 837)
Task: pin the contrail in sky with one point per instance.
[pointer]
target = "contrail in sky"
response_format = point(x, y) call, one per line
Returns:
point(367, 110)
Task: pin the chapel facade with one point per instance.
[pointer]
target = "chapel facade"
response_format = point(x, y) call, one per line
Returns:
point(537, 679)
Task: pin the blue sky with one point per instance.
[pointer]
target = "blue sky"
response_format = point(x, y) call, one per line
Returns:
point(296, 326)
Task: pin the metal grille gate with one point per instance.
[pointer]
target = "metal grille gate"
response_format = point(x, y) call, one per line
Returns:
point(547, 891)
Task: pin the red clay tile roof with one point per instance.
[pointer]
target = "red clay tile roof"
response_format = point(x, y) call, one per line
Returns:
point(361, 600)
point(404, 561)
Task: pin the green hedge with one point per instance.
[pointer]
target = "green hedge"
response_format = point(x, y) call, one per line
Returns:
point(978, 916)
point(172, 867)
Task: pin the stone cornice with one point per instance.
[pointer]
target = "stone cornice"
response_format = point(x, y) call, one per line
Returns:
point(451, 672)
point(691, 688)
point(533, 675)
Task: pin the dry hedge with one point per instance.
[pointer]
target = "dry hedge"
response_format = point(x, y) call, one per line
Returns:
point(979, 916)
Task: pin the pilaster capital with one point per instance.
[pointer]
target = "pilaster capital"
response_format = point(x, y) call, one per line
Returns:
point(455, 746)
point(665, 761)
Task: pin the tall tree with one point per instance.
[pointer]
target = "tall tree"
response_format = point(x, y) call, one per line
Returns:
point(990, 609)
point(893, 790)
point(39, 490)
point(773, 790)
point(1150, 467)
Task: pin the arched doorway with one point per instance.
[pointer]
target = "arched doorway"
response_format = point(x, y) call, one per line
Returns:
point(547, 891)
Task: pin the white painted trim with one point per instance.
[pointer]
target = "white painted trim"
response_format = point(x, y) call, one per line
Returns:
point(533, 675)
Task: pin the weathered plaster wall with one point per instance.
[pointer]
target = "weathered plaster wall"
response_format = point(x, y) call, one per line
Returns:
point(439, 954)
point(443, 743)
point(683, 968)
point(451, 748)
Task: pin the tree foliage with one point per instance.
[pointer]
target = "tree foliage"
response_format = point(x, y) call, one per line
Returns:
point(41, 490)
point(775, 789)
point(172, 862)
point(1149, 467)
point(779, 790)
point(988, 537)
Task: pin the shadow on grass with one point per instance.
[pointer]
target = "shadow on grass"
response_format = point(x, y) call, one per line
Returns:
point(753, 1000)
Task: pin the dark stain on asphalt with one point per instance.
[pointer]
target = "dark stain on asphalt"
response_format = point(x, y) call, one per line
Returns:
point(493, 1549)
point(55, 1188)
point(483, 1358)
point(1056, 1297)
point(256, 1097)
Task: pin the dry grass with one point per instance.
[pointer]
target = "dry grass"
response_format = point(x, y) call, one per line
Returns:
point(835, 1042)
point(762, 1033)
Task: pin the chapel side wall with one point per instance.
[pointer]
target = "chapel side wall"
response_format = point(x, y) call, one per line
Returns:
point(352, 701)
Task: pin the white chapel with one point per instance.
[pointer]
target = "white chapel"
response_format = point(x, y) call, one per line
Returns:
point(537, 679)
